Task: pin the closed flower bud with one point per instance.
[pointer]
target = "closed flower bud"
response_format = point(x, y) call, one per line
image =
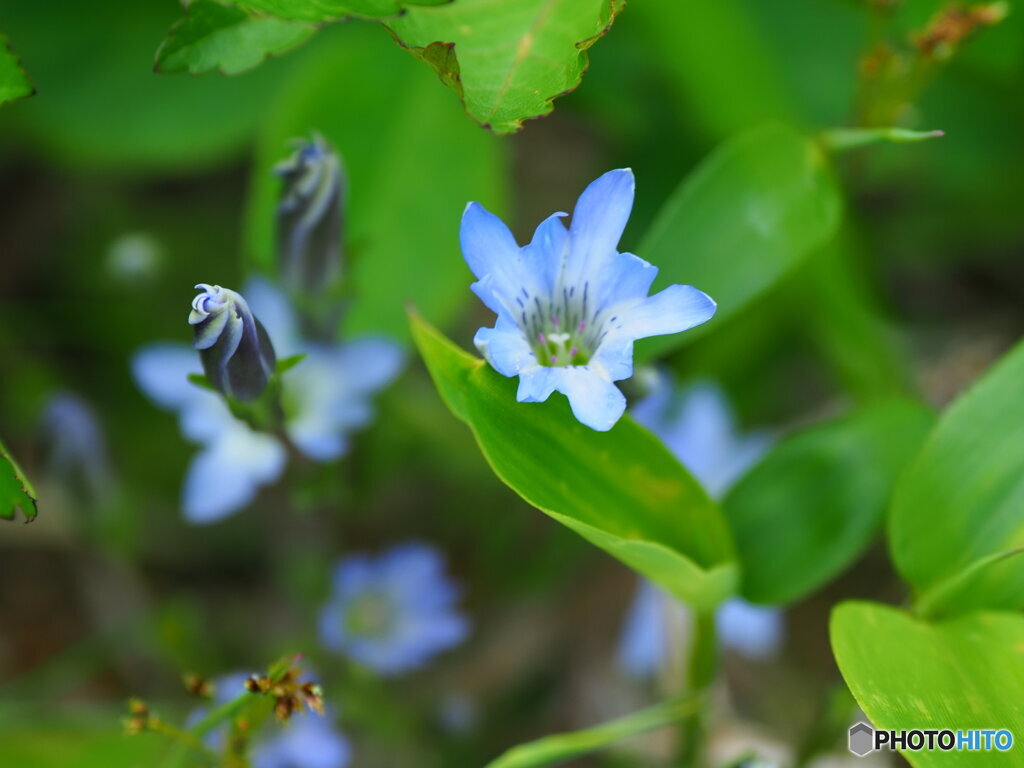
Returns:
point(309, 217)
point(235, 350)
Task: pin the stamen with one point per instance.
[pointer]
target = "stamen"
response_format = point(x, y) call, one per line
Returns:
point(573, 352)
point(554, 320)
point(554, 359)
point(582, 325)
point(541, 339)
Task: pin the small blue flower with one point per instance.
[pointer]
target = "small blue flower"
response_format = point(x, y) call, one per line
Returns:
point(76, 449)
point(392, 612)
point(698, 427)
point(569, 305)
point(325, 397)
point(306, 741)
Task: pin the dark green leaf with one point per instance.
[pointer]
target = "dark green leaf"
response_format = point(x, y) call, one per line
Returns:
point(14, 83)
point(960, 502)
point(507, 59)
point(16, 491)
point(812, 505)
point(566, 746)
point(215, 37)
point(412, 161)
point(742, 220)
point(621, 490)
point(910, 674)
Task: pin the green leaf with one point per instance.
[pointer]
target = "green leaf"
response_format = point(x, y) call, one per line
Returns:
point(741, 221)
point(843, 139)
point(507, 59)
point(91, 65)
point(16, 492)
point(215, 37)
point(960, 501)
point(812, 505)
point(910, 674)
point(14, 83)
point(333, 10)
point(566, 746)
point(412, 161)
point(621, 490)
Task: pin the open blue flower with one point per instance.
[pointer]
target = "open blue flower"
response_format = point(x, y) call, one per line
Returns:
point(697, 425)
point(307, 740)
point(569, 305)
point(325, 397)
point(393, 612)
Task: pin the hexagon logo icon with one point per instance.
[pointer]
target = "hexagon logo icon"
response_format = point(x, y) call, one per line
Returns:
point(862, 739)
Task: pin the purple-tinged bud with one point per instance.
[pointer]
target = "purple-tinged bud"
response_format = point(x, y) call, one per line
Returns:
point(309, 240)
point(235, 350)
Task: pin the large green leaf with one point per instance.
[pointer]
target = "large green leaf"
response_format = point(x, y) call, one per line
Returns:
point(961, 501)
point(742, 220)
point(14, 83)
point(215, 37)
point(412, 161)
point(812, 505)
point(909, 674)
point(507, 59)
point(621, 490)
point(103, 105)
point(332, 10)
point(16, 491)
point(552, 750)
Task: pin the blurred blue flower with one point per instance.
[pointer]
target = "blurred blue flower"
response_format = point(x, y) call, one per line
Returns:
point(309, 239)
point(233, 346)
point(226, 688)
point(392, 612)
point(697, 425)
point(76, 449)
point(569, 305)
point(306, 741)
point(324, 397)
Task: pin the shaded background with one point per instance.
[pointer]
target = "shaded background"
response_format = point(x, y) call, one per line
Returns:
point(121, 189)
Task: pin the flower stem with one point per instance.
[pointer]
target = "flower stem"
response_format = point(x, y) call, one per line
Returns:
point(702, 666)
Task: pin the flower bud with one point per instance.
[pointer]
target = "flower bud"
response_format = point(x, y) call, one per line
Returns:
point(235, 350)
point(309, 217)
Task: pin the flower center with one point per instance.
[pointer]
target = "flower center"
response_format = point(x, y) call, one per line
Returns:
point(559, 329)
point(369, 616)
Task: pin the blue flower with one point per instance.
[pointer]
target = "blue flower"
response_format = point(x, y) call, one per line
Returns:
point(76, 449)
point(305, 741)
point(392, 612)
point(325, 397)
point(569, 305)
point(698, 427)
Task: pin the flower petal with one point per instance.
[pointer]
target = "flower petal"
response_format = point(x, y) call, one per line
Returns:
point(644, 642)
point(487, 244)
point(755, 631)
point(226, 474)
point(271, 307)
point(161, 372)
point(595, 401)
point(536, 384)
point(369, 364)
point(504, 347)
point(601, 213)
point(672, 310)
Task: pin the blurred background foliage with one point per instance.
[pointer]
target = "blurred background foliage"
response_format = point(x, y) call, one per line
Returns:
point(122, 188)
